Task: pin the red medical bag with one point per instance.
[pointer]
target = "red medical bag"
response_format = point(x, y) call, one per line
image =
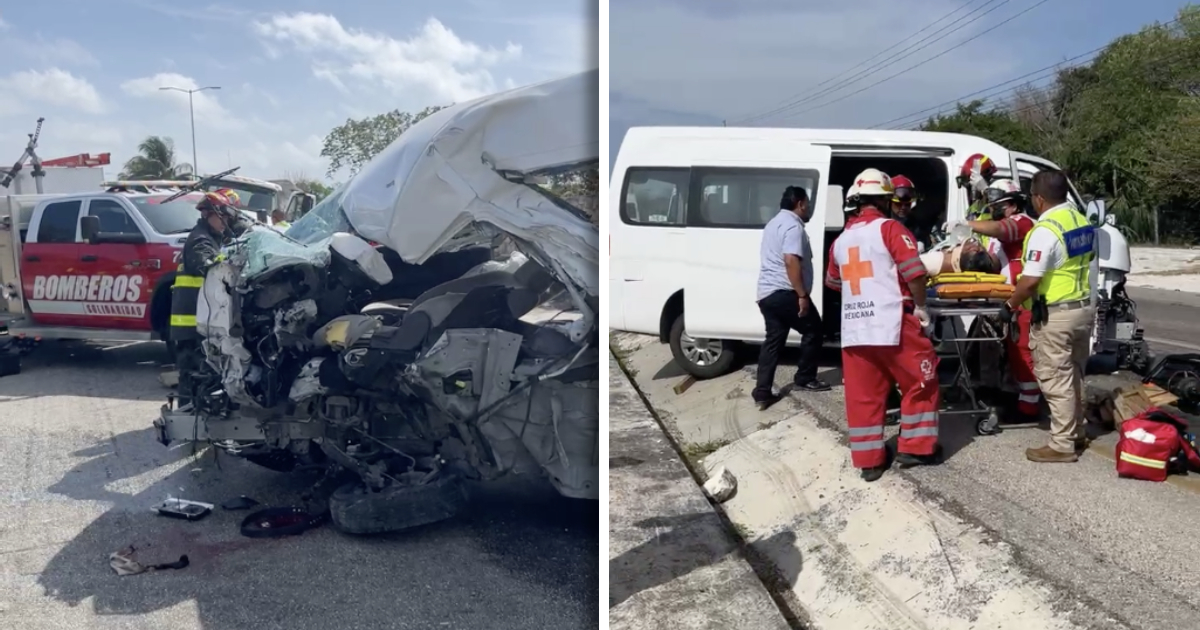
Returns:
point(1148, 444)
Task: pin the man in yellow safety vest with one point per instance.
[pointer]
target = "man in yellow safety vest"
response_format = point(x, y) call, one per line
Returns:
point(1055, 286)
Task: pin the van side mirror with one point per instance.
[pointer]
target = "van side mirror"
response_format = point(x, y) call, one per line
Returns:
point(89, 228)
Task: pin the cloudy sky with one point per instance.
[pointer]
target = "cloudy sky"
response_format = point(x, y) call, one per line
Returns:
point(288, 71)
point(700, 62)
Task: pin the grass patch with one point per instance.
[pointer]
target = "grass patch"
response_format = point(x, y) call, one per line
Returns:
point(621, 354)
point(698, 451)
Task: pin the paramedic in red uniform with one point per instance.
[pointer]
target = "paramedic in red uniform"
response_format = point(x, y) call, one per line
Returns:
point(876, 266)
point(1007, 238)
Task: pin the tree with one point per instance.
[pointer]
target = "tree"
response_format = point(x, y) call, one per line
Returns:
point(353, 143)
point(1125, 125)
point(156, 160)
point(314, 188)
point(995, 124)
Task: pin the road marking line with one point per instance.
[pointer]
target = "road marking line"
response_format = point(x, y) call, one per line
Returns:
point(1172, 342)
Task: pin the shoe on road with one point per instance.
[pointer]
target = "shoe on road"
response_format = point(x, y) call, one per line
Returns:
point(1047, 455)
point(764, 404)
point(908, 460)
point(815, 385)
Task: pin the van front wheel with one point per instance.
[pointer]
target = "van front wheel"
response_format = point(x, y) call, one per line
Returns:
point(702, 358)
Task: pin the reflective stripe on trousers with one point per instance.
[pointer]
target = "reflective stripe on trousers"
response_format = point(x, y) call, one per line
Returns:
point(913, 367)
point(919, 425)
point(1030, 393)
point(866, 438)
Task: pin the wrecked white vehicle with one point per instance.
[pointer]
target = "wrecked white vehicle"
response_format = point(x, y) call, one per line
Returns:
point(387, 334)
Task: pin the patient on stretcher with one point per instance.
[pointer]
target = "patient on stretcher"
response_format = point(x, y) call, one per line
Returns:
point(960, 267)
point(967, 256)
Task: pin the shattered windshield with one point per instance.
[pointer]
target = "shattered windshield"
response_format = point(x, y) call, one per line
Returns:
point(323, 221)
point(266, 250)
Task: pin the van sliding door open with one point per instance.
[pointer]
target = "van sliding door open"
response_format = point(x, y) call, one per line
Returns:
point(731, 199)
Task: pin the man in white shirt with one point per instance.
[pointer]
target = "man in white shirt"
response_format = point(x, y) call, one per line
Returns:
point(785, 280)
point(1055, 286)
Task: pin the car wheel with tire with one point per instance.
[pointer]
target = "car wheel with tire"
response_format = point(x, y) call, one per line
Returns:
point(355, 509)
point(702, 358)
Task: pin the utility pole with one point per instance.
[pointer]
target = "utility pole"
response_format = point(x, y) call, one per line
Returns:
point(192, 116)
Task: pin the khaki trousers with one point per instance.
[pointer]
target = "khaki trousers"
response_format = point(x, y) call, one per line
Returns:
point(1060, 350)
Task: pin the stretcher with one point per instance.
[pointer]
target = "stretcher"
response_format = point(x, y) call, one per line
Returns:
point(966, 313)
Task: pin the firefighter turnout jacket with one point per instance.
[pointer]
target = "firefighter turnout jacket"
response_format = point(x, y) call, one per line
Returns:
point(200, 252)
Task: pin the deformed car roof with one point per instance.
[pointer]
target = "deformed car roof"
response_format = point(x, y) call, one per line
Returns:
point(465, 164)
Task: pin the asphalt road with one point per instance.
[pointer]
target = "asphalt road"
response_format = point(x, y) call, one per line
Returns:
point(1112, 551)
point(1170, 319)
point(81, 469)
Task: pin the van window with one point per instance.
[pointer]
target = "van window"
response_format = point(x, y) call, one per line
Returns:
point(59, 222)
point(744, 198)
point(655, 196)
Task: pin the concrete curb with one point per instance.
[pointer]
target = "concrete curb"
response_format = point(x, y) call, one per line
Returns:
point(850, 554)
point(673, 561)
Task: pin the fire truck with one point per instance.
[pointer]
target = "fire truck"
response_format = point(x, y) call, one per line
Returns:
point(258, 197)
point(98, 265)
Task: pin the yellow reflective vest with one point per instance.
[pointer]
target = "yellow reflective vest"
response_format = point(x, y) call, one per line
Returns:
point(1071, 281)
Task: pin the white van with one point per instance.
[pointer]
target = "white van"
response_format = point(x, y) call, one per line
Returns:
point(688, 205)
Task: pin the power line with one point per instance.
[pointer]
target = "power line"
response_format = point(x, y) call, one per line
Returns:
point(901, 56)
point(1190, 57)
point(904, 120)
point(918, 65)
point(806, 96)
point(959, 99)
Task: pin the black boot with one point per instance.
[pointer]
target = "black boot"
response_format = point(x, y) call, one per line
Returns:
point(908, 460)
point(873, 474)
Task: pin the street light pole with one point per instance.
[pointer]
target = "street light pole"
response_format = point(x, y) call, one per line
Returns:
point(192, 117)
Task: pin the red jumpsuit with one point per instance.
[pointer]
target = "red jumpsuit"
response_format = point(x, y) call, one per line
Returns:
point(904, 356)
point(1020, 359)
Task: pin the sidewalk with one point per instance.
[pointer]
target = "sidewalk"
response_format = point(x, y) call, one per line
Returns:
point(671, 562)
point(879, 556)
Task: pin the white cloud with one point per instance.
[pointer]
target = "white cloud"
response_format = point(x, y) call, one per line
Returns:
point(58, 51)
point(54, 87)
point(206, 105)
point(435, 60)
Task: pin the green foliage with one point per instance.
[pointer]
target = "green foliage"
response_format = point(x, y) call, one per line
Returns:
point(353, 143)
point(315, 188)
point(1126, 126)
point(156, 160)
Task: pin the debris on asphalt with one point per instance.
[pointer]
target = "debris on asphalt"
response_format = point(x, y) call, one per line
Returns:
point(169, 378)
point(124, 562)
point(184, 509)
point(722, 486)
point(1131, 401)
point(278, 522)
point(10, 355)
point(239, 503)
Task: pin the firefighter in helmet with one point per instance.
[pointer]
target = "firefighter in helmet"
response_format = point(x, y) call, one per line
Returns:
point(219, 223)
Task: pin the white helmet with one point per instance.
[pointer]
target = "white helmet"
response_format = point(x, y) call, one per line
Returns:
point(871, 183)
point(1003, 190)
